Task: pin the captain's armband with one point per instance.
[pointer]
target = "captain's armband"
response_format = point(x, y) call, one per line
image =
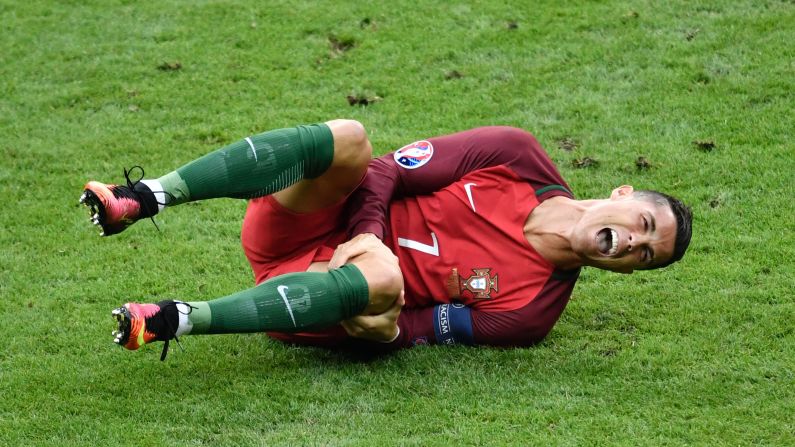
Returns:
point(452, 324)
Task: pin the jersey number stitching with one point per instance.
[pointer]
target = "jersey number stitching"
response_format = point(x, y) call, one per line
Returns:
point(432, 250)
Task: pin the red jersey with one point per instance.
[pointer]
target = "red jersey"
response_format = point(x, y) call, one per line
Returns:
point(466, 243)
point(453, 210)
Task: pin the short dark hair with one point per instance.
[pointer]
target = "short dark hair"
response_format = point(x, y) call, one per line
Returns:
point(684, 223)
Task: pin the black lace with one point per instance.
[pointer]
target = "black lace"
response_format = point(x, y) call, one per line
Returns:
point(173, 332)
point(131, 186)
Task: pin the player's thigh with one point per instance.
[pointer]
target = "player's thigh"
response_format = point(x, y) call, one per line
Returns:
point(277, 240)
point(352, 153)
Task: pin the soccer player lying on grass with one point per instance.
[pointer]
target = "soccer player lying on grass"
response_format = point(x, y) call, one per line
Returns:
point(469, 238)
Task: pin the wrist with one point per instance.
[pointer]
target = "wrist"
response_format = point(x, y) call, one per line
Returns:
point(368, 226)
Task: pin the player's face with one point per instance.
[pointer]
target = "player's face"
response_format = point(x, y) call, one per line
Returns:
point(626, 232)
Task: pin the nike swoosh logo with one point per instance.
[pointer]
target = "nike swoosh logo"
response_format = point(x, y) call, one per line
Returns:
point(251, 145)
point(283, 292)
point(468, 189)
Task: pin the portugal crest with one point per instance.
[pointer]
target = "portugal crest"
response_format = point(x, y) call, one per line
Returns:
point(480, 285)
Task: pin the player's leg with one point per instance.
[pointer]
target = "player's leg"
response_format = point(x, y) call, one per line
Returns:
point(297, 220)
point(352, 153)
point(293, 302)
point(320, 155)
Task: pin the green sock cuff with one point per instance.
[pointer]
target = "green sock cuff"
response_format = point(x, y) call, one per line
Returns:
point(258, 165)
point(318, 142)
point(353, 288)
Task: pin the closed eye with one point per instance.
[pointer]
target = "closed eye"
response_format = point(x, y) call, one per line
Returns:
point(645, 224)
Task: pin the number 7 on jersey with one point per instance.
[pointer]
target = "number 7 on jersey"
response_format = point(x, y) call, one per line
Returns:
point(432, 250)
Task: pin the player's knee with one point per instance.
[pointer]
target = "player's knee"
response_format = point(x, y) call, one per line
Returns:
point(351, 131)
point(392, 283)
point(352, 148)
point(384, 281)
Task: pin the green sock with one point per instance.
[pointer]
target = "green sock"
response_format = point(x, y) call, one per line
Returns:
point(253, 167)
point(287, 303)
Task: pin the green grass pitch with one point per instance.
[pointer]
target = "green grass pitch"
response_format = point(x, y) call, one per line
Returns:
point(694, 98)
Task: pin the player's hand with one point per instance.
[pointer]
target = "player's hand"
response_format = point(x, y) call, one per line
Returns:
point(359, 245)
point(381, 328)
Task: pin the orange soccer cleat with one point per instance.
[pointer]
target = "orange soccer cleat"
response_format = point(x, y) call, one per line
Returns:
point(116, 207)
point(139, 324)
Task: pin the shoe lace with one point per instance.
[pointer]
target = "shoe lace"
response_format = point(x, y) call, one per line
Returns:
point(131, 186)
point(171, 329)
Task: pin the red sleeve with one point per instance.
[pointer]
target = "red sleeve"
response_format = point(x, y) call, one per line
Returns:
point(532, 322)
point(457, 324)
point(453, 157)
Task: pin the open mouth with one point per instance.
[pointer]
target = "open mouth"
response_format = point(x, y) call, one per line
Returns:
point(607, 241)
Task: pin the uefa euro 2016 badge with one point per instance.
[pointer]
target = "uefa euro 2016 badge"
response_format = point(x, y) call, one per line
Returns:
point(414, 155)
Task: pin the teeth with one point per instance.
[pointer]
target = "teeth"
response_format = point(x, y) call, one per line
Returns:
point(614, 240)
point(83, 198)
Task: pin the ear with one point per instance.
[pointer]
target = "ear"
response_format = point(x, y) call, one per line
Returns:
point(621, 192)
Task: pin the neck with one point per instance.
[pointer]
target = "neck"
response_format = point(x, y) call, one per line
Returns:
point(550, 227)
